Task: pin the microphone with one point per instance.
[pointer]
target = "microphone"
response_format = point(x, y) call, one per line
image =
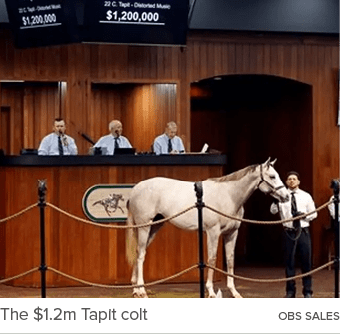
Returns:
point(63, 138)
point(87, 138)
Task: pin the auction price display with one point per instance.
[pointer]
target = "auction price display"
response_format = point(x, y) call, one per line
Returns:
point(144, 22)
point(132, 17)
point(42, 20)
point(37, 13)
point(136, 13)
point(48, 20)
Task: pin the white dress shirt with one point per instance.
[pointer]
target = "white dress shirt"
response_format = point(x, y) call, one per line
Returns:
point(49, 145)
point(160, 145)
point(108, 142)
point(304, 204)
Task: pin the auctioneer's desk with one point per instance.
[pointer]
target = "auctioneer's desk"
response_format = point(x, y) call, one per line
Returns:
point(82, 250)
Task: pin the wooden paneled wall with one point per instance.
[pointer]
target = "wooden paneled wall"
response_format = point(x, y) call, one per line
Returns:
point(313, 60)
point(29, 110)
point(152, 107)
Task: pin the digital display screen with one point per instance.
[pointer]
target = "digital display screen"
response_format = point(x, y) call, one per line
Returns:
point(43, 22)
point(146, 22)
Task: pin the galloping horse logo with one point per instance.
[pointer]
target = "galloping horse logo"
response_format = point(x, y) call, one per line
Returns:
point(112, 199)
point(111, 203)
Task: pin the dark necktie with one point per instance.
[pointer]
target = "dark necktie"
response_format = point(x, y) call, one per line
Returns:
point(116, 143)
point(60, 146)
point(294, 211)
point(169, 146)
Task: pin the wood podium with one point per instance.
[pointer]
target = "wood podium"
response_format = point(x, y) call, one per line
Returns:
point(88, 252)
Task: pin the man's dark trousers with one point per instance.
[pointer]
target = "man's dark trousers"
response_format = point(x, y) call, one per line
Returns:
point(302, 246)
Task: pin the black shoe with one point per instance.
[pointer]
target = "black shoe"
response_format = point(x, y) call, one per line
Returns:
point(290, 295)
point(308, 295)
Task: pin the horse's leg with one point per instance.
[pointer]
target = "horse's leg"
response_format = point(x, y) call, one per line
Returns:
point(212, 243)
point(138, 292)
point(229, 245)
point(131, 250)
point(134, 279)
point(154, 229)
point(143, 235)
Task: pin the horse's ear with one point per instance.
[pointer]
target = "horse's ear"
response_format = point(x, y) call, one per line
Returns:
point(267, 163)
point(273, 162)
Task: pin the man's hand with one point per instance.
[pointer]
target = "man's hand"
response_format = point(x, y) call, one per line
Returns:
point(299, 213)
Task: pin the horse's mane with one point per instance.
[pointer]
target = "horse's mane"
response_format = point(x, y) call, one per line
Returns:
point(236, 175)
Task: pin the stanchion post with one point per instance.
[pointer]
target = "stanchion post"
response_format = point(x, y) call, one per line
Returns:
point(335, 186)
point(42, 205)
point(200, 205)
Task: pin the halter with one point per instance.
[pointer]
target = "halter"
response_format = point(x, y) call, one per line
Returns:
point(273, 189)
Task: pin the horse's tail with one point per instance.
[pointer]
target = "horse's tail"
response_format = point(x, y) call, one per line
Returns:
point(130, 241)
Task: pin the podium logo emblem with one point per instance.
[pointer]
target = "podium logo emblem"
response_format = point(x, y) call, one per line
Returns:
point(107, 202)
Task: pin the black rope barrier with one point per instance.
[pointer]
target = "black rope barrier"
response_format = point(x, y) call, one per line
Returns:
point(200, 205)
point(335, 186)
point(42, 206)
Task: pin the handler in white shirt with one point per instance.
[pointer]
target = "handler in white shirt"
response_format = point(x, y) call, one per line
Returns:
point(58, 143)
point(296, 235)
point(305, 204)
point(114, 139)
point(331, 208)
point(169, 142)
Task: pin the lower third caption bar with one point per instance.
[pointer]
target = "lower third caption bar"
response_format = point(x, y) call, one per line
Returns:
point(83, 314)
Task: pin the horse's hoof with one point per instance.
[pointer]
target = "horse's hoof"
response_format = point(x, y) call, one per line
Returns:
point(139, 295)
point(210, 294)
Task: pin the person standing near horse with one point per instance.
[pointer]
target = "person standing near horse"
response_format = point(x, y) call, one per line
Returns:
point(58, 143)
point(296, 233)
point(113, 140)
point(331, 208)
point(169, 142)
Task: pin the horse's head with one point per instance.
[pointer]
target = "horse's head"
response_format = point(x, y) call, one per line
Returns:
point(270, 182)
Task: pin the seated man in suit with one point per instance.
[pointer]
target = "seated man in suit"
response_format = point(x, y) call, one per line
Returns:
point(58, 143)
point(169, 142)
point(113, 140)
